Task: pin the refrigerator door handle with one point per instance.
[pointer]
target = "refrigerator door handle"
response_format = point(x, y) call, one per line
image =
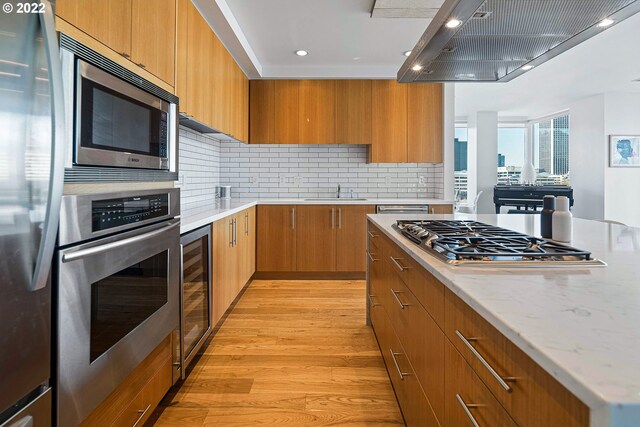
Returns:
point(56, 178)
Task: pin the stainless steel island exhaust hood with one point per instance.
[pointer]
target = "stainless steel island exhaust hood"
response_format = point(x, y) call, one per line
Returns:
point(498, 40)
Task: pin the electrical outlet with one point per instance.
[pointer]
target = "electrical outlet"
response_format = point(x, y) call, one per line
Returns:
point(253, 179)
point(422, 180)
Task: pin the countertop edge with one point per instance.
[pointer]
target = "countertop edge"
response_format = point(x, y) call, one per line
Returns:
point(603, 413)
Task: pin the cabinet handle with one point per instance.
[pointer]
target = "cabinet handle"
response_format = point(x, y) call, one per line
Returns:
point(246, 223)
point(501, 381)
point(235, 232)
point(465, 408)
point(373, 236)
point(293, 218)
point(142, 414)
point(333, 218)
point(371, 257)
point(395, 261)
point(395, 295)
point(339, 217)
point(395, 362)
point(125, 54)
point(141, 65)
point(230, 233)
point(373, 304)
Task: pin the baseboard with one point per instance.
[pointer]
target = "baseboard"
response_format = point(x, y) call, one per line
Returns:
point(310, 275)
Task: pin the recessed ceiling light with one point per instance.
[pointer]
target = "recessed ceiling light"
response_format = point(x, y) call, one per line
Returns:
point(407, 53)
point(606, 22)
point(453, 23)
point(302, 52)
point(416, 67)
point(527, 67)
point(356, 58)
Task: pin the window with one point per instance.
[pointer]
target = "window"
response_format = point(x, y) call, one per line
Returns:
point(511, 149)
point(551, 150)
point(461, 166)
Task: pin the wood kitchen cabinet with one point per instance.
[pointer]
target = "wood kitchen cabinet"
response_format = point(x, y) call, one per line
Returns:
point(233, 244)
point(141, 31)
point(317, 111)
point(262, 104)
point(312, 238)
point(388, 122)
point(286, 105)
point(153, 37)
point(211, 86)
point(351, 241)
point(316, 238)
point(276, 238)
point(425, 123)
point(353, 112)
point(464, 366)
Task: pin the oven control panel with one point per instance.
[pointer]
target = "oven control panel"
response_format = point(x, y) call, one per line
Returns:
point(113, 213)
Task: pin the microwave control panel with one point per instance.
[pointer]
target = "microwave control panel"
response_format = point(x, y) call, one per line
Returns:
point(113, 213)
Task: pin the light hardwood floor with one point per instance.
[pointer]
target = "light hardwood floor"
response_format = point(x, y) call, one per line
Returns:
point(291, 353)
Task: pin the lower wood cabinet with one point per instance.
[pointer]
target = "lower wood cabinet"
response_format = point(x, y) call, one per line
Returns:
point(468, 372)
point(233, 261)
point(134, 400)
point(312, 238)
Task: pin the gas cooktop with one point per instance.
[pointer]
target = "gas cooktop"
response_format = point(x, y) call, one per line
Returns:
point(461, 242)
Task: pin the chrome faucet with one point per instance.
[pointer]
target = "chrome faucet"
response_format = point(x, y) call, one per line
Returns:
point(338, 192)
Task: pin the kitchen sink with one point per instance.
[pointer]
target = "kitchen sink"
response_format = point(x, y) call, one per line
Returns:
point(334, 199)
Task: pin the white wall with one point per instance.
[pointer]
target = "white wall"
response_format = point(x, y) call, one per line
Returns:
point(587, 156)
point(622, 185)
point(449, 137)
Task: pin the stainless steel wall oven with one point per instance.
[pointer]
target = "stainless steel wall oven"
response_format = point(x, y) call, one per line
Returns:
point(117, 291)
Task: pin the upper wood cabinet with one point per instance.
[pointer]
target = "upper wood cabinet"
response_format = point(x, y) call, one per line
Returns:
point(262, 104)
point(211, 86)
point(317, 111)
point(389, 122)
point(109, 22)
point(142, 31)
point(425, 123)
point(353, 112)
point(286, 111)
point(153, 36)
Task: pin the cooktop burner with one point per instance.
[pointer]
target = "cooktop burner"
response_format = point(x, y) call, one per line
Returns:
point(461, 242)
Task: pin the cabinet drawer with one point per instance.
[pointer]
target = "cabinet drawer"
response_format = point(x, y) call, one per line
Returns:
point(420, 336)
point(373, 236)
point(468, 400)
point(141, 407)
point(531, 396)
point(427, 289)
point(413, 403)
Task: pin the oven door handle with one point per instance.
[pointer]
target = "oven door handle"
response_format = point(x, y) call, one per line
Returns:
point(83, 253)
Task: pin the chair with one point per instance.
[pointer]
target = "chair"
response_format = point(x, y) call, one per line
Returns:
point(471, 209)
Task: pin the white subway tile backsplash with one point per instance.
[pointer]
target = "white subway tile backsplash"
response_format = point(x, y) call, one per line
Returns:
point(295, 171)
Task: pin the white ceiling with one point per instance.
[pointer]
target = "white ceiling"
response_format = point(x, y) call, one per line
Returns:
point(605, 63)
point(342, 38)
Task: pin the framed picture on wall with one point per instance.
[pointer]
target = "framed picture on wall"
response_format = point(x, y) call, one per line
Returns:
point(624, 151)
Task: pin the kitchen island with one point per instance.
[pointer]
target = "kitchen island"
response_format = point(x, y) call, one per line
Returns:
point(580, 325)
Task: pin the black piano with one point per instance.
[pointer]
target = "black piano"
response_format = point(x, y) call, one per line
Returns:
point(527, 197)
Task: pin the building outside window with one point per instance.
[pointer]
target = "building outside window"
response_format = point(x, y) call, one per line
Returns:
point(551, 150)
point(511, 149)
point(461, 163)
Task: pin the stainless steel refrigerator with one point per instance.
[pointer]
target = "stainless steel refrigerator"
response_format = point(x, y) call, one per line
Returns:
point(31, 175)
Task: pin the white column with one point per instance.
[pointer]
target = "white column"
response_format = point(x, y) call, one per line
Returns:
point(486, 158)
point(449, 137)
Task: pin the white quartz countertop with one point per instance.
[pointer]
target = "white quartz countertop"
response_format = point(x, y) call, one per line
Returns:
point(200, 214)
point(581, 324)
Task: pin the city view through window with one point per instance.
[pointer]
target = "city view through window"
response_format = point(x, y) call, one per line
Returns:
point(550, 146)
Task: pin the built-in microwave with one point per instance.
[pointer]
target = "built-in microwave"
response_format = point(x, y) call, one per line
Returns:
point(116, 118)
